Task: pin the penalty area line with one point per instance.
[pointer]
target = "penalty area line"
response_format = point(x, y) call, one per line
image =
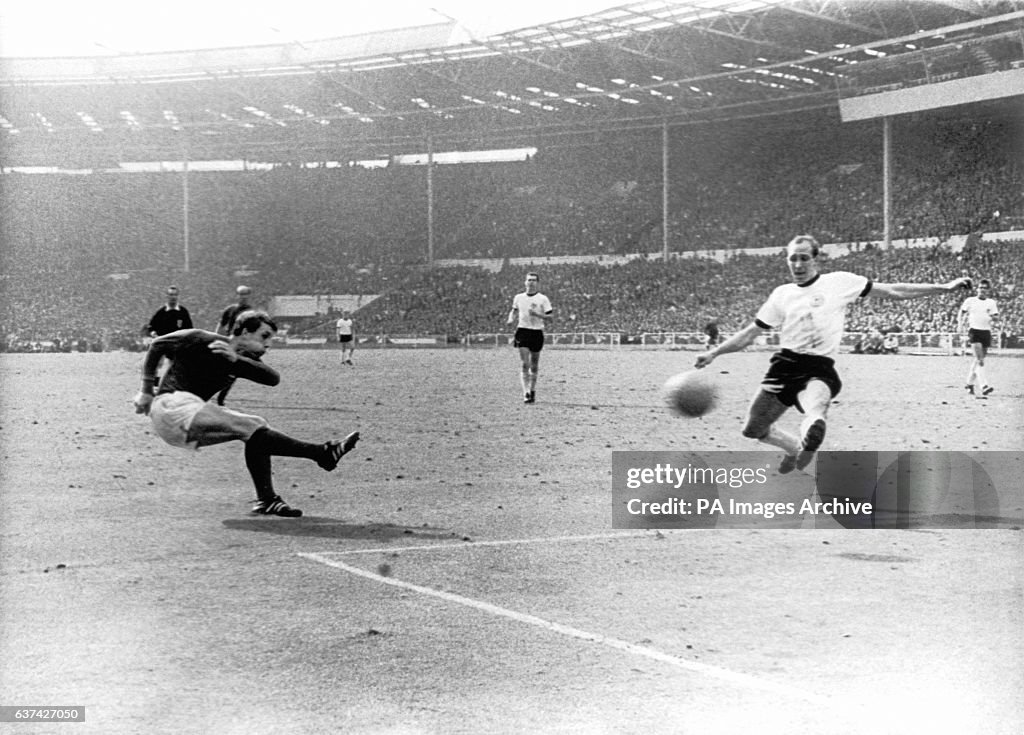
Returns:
point(747, 681)
point(499, 542)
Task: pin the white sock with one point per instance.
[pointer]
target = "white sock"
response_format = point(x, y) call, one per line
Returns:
point(981, 376)
point(806, 423)
point(781, 439)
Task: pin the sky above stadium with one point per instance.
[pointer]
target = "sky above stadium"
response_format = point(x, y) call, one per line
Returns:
point(106, 27)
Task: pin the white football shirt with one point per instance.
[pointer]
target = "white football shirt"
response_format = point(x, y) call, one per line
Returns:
point(811, 318)
point(344, 327)
point(523, 303)
point(979, 312)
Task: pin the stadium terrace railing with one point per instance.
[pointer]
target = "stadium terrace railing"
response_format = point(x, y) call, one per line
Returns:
point(556, 339)
point(924, 342)
point(937, 343)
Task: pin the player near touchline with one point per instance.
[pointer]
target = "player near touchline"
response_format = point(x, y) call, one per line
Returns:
point(346, 336)
point(202, 363)
point(530, 310)
point(976, 315)
point(810, 314)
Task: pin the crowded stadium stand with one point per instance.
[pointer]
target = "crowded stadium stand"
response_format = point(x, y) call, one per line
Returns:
point(645, 218)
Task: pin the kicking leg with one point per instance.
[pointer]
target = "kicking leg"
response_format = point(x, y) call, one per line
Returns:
point(265, 443)
point(215, 425)
point(271, 442)
point(814, 401)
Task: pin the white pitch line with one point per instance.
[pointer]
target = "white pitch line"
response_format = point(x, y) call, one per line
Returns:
point(502, 542)
point(733, 677)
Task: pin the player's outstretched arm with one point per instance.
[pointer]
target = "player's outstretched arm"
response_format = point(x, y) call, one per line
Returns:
point(739, 341)
point(256, 371)
point(904, 291)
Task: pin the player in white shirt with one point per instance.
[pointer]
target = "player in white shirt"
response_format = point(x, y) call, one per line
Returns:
point(810, 314)
point(346, 337)
point(976, 315)
point(530, 311)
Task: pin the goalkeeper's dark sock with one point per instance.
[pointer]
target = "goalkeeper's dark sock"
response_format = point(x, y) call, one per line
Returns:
point(258, 463)
point(273, 442)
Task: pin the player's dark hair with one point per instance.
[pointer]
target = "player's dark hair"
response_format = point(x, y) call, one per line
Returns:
point(250, 321)
point(985, 282)
point(531, 273)
point(809, 240)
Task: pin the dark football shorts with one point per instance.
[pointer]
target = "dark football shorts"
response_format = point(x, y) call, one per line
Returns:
point(531, 339)
point(343, 338)
point(789, 373)
point(981, 336)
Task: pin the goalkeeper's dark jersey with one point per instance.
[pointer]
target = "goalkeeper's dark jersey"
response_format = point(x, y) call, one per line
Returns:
point(194, 368)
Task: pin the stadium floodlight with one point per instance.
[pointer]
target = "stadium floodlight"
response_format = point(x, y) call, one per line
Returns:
point(90, 121)
point(454, 157)
point(42, 119)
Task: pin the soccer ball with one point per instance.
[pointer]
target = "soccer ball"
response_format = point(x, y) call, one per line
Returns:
point(690, 394)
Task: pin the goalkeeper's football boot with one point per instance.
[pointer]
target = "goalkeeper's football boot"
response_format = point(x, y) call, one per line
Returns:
point(274, 507)
point(333, 451)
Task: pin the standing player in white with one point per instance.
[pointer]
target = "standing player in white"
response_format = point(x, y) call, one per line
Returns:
point(346, 336)
point(810, 314)
point(976, 314)
point(532, 309)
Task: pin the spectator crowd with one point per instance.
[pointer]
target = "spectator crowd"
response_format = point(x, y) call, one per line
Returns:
point(86, 258)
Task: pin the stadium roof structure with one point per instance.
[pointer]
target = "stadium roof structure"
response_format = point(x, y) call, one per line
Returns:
point(636, 65)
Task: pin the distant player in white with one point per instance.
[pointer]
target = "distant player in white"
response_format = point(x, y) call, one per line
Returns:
point(532, 309)
point(976, 315)
point(346, 336)
point(810, 314)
